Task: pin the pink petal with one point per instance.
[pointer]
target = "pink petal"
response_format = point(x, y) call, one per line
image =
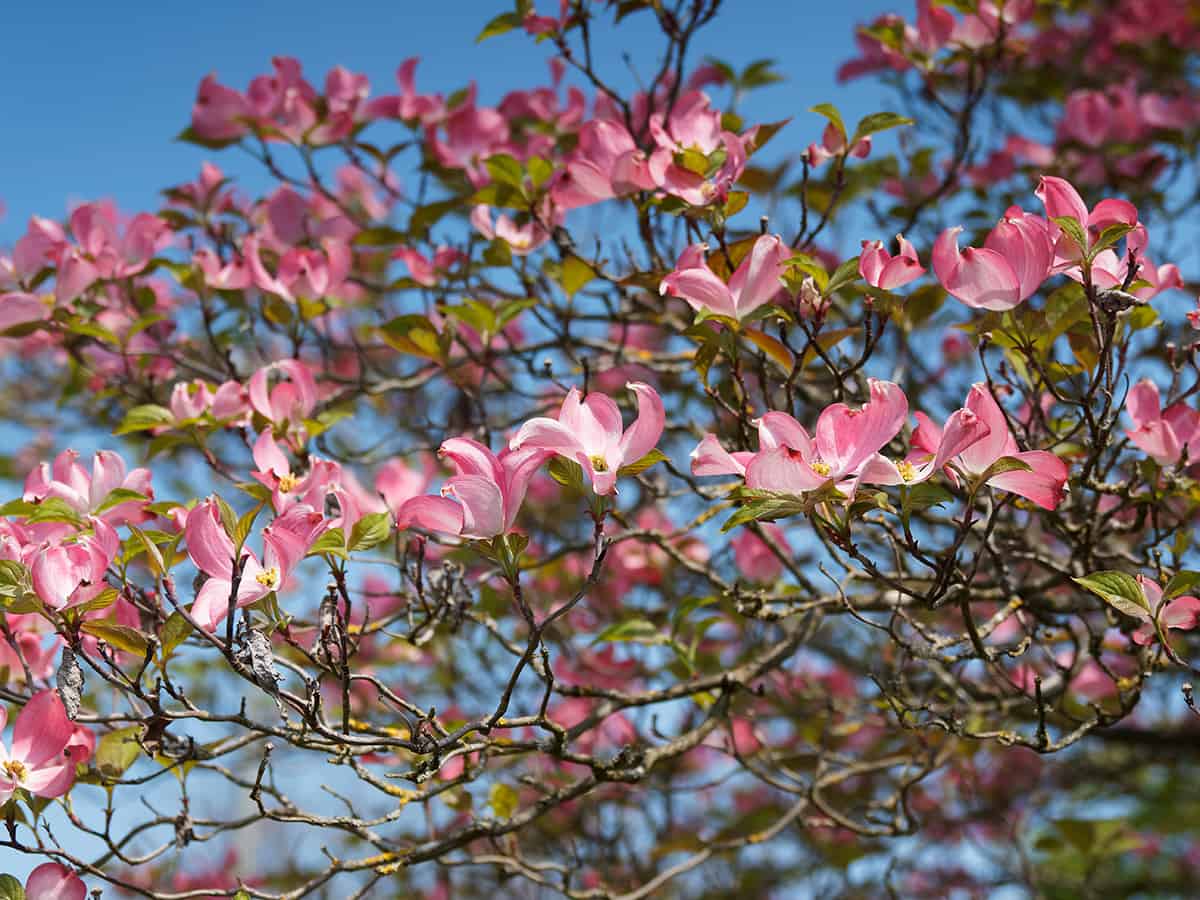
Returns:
point(756, 280)
point(209, 547)
point(782, 470)
point(1044, 485)
point(710, 458)
point(482, 504)
point(42, 730)
point(432, 514)
point(982, 279)
point(642, 436)
point(51, 881)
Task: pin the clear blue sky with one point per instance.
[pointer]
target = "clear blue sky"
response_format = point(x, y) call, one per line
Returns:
point(94, 92)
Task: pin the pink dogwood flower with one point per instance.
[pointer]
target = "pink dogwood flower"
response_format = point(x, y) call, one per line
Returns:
point(36, 762)
point(52, 881)
point(1062, 201)
point(1044, 483)
point(588, 431)
point(67, 574)
point(1012, 264)
point(289, 401)
point(68, 481)
point(791, 461)
point(285, 541)
point(882, 270)
point(1162, 435)
point(489, 491)
point(755, 282)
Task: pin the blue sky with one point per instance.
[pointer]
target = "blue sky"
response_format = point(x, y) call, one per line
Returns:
point(95, 92)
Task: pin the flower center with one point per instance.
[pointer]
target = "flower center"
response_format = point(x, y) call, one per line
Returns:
point(288, 483)
point(268, 578)
point(16, 770)
point(906, 469)
point(821, 468)
point(599, 463)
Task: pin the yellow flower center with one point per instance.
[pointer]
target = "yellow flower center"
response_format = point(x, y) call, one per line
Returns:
point(16, 770)
point(906, 469)
point(820, 468)
point(288, 483)
point(599, 464)
point(268, 578)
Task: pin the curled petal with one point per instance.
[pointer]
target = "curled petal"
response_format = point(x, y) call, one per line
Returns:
point(642, 436)
point(980, 278)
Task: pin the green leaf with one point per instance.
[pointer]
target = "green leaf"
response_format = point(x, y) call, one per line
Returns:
point(1071, 227)
point(1184, 582)
point(774, 349)
point(380, 236)
point(926, 495)
point(1118, 590)
point(1005, 464)
point(11, 888)
point(158, 565)
point(117, 751)
point(847, 273)
point(370, 531)
point(116, 497)
point(120, 636)
point(505, 169)
point(877, 122)
point(829, 111)
point(333, 541)
point(501, 24)
point(189, 136)
point(144, 417)
point(566, 472)
point(764, 133)
point(640, 631)
point(174, 632)
point(503, 800)
point(653, 458)
point(575, 274)
point(1108, 237)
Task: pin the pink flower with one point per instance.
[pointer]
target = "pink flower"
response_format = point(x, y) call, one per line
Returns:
point(980, 278)
point(754, 559)
point(588, 431)
point(605, 164)
point(1045, 481)
point(285, 541)
point(833, 142)
point(791, 461)
point(1062, 200)
point(489, 489)
point(1182, 613)
point(84, 493)
point(694, 130)
point(397, 482)
point(755, 282)
point(51, 881)
point(844, 441)
point(962, 429)
point(1162, 436)
point(1025, 241)
point(882, 270)
point(35, 763)
point(67, 574)
point(220, 113)
point(522, 239)
point(288, 402)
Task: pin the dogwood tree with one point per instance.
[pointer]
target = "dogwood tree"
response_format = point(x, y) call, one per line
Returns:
point(601, 495)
